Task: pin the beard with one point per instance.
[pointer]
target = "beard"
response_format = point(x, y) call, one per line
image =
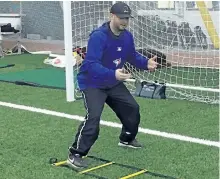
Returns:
point(122, 27)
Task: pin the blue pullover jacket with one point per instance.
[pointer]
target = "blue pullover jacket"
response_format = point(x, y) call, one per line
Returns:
point(106, 53)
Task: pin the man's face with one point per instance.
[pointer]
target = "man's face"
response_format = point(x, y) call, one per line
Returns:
point(120, 23)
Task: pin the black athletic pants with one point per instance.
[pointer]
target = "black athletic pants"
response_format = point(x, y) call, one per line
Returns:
point(121, 102)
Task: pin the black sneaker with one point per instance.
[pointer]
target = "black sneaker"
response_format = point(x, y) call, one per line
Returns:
point(76, 161)
point(133, 144)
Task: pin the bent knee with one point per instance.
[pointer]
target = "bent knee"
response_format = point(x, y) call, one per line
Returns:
point(135, 107)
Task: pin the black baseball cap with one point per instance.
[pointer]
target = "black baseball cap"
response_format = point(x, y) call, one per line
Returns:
point(121, 10)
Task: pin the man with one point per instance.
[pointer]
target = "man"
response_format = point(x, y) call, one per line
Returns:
point(101, 79)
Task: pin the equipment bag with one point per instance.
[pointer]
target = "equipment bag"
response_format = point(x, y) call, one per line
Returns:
point(150, 90)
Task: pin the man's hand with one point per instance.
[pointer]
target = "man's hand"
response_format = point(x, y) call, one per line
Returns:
point(121, 75)
point(152, 65)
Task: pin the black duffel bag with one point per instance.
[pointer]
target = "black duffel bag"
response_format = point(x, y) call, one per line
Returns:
point(151, 90)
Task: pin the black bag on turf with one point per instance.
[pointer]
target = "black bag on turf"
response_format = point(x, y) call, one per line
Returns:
point(150, 90)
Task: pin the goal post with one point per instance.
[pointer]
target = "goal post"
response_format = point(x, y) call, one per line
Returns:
point(67, 17)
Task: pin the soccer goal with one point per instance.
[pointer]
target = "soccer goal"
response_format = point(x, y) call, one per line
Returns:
point(186, 32)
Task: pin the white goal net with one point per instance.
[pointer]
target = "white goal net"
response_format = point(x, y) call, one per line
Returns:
point(187, 33)
point(191, 67)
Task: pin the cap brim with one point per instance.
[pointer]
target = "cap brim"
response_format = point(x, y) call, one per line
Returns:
point(124, 15)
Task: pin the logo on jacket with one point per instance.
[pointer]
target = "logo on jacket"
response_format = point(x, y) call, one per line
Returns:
point(117, 61)
point(119, 49)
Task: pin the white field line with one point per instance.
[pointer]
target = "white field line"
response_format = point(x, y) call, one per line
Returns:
point(113, 124)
